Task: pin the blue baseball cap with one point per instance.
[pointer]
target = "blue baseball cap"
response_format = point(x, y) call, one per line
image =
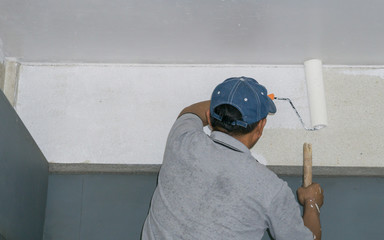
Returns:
point(245, 94)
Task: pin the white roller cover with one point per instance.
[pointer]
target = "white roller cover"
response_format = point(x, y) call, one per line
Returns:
point(315, 87)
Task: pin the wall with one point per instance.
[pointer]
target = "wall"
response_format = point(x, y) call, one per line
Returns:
point(199, 31)
point(2, 73)
point(10, 79)
point(82, 207)
point(122, 113)
point(1, 51)
point(1, 65)
point(114, 206)
point(23, 179)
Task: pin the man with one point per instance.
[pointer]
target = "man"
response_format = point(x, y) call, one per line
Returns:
point(211, 187)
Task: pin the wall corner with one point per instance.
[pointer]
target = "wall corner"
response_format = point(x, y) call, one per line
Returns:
point(9, 78)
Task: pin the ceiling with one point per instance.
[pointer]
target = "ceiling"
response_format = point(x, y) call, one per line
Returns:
point(199, 31)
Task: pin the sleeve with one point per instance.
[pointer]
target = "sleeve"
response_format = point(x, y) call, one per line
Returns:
point(285, 221)
point(188, 122)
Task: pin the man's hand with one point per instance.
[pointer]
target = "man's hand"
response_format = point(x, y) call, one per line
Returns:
point(311, 193)
point(312, 199)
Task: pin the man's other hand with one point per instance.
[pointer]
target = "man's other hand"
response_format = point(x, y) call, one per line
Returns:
point(313, 193)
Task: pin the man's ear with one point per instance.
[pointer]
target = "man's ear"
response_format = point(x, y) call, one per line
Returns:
point(261, 125)
point(258, 131)
point(208, 116)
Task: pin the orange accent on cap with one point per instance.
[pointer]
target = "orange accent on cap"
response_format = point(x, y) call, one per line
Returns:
point(271, 96)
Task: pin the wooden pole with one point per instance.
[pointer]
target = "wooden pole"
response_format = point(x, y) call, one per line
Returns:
point(307, 164)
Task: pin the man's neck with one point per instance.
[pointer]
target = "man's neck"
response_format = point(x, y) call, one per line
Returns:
point(244, 138)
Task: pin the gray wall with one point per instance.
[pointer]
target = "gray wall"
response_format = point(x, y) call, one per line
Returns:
point(199, 31)
point(114, 206)
point(98, 206)
point(23, 179)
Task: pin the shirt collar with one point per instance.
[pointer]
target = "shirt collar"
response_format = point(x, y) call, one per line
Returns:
point(229, 142)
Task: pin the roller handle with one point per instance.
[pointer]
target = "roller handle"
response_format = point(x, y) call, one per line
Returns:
point(307, 163)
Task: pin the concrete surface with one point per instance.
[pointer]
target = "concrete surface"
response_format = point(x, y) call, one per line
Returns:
point(121, 114)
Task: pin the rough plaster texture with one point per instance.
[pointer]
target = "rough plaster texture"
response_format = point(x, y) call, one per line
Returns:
point(121, 114)
point(354, 134)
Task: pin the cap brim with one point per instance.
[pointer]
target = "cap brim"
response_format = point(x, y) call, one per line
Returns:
point(272, 107)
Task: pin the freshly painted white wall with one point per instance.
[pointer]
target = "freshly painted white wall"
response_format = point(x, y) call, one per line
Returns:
point(122, 113)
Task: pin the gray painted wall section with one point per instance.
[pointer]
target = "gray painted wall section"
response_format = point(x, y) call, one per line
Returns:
point(100, 206)
point(114, 206)
point(23, 179)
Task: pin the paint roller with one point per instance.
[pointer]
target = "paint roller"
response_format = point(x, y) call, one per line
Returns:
point(317, 107)
point(316, 96)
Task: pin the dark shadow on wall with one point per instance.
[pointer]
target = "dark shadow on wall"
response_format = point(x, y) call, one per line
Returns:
point(23, 179)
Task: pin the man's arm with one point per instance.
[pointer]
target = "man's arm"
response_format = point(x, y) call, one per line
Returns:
point(312, 198)
point(200, 109)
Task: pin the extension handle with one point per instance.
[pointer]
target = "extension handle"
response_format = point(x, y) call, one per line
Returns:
point(307, 162)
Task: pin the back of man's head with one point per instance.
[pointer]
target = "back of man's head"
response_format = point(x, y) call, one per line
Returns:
point(230, 114)
point(238, 104)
